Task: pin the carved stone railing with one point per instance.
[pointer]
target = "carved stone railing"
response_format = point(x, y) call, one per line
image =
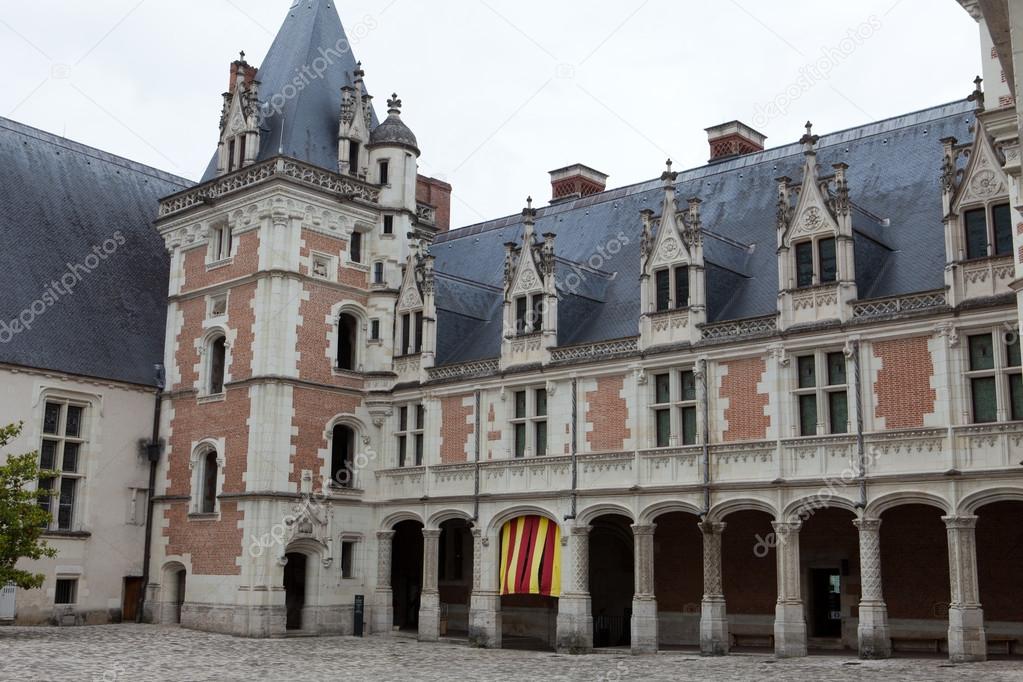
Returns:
point(465, 370)
point(526, 343)
point(989, 446)
point(905, 450)
point(751, 326)
point(596, 351)
point(820, 456)
point(401, 483)
point(665, 466)
point(426, 214)
point(527, 474)
point(895, 305)
point(279, 167)
point(407, 364)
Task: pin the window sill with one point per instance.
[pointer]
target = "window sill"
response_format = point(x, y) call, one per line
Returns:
point(204, 517)
point(351, 373)
point(217, 264)
point(68, 534)
point(216, 398)
point(359, 266)
point(524, 335)
point(669, 311)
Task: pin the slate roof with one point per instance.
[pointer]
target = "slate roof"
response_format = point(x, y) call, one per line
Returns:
point(58, 200)
point(899, 241)
point(306, 126)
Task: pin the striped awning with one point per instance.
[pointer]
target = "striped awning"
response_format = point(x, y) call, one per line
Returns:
point(531, 557)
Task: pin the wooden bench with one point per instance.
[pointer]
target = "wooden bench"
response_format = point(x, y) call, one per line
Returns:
point(934, 642)
point(752, 640)
point(1007, 645)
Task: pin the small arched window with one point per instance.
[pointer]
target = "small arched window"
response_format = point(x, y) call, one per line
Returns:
point(378, 273)
point(218, 358)
point(210, 471)
point(341, 456)
point(347, 335)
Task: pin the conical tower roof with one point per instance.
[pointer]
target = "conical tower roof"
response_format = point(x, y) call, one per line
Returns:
point(301, 78)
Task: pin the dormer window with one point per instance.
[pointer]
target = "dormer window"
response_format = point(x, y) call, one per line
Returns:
point(411, 334)
point(353, 157)
point(672, 288)
point(528, 314)
point(988, 231)
point(816, 265)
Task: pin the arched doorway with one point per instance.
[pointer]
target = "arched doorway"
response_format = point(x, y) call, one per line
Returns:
point(407, 573)
point(678, 579)
point(295, 579)
point(749, 579)
point(999, 566)
point(454, 576)
point(529, 582)
point(915, 578)
point(612, 580)
point(173, 593)
point(830, 577)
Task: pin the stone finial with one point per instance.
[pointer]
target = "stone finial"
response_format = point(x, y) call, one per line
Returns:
point(359, 73)
point(809, 140)
point(668, 176)
point(529, 213)
point(241, 56)
point(394, 104)
point(977, 96)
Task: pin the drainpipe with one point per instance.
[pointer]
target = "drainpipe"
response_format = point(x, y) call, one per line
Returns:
point(574, 450)
point(476, 447)
point(153, 448)
point(705, 437)
point(860, 447)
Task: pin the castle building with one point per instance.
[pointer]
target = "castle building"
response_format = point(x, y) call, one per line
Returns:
point(776, 400)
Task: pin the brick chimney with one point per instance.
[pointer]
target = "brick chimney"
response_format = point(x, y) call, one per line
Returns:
point(243, 67)
point(732, 139)
point(437, 195)
point(576, 181)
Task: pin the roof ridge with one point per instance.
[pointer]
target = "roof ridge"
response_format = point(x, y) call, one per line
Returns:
point(705, 170)
point(93, 152)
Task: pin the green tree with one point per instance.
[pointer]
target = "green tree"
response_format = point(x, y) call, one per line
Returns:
point(22, 520)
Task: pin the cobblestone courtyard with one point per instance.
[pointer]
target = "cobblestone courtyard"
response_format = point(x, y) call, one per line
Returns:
point(131, 652)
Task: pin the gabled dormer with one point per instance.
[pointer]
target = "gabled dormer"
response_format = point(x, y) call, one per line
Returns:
point(530, 296)
point(978, 217)
point(415, 325)
point(239, 120)
point(816, 266)
point(356, 121)
point(673, 276)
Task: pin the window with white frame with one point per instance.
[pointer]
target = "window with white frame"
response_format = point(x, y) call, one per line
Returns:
point(61, 452)
point(988, 231)
point(206, 481)
point(378, 273)
point(410, 341)
point(671, 288)
point(411, 424)
point(995, 376)
point(322, 266)
point(529, 314)
point(529, 422)
point(674, 408)
point(216, 306)
point(221, 242)
point(816, 262)
point(355, 247)
point(216, 351)
point(822, 393)
point(374, 330)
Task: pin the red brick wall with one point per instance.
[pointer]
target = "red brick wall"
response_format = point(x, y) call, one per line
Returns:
point(315, 333)
point(314, 241)
point(246, 262)
point(436, 193)
point(455, 428)
point(678, 563)
point(313, 409)
point(914, 562)
point(745, 411)
point(903, 386)
point(608, 414)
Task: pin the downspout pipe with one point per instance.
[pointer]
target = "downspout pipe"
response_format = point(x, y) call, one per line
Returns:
point(153, 450)
point(705, 438)
point(476, 447)
point(574, 451)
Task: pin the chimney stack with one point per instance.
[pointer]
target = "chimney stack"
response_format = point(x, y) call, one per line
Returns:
point(244, 69)
point(576, 181)
point(733, 139)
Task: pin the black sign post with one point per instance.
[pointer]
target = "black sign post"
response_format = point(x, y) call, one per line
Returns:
point(360, 614)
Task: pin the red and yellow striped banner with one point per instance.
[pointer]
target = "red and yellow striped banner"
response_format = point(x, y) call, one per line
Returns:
point(531, 557)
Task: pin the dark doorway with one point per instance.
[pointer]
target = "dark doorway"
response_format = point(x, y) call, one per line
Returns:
point(179, 593)
point(130, 598)
point(611, 580)
point(407, 573)
point(454, 574)
point(294, 589)
point(827, 602)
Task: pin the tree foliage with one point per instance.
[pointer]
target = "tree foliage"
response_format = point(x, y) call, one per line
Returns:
point(22, 520)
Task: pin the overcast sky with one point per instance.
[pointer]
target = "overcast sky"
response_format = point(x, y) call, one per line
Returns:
point(498, 91)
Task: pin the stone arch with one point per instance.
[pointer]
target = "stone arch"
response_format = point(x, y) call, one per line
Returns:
point(173, 582)
point(393, 519)
point(719, 511)
point(882, 504)
point(360, 332)
point(605, 509)
point(649, 514)
point(797, 508)
point(498, 520)
point(972, 503)
point(302, 587)
point(440, 517)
